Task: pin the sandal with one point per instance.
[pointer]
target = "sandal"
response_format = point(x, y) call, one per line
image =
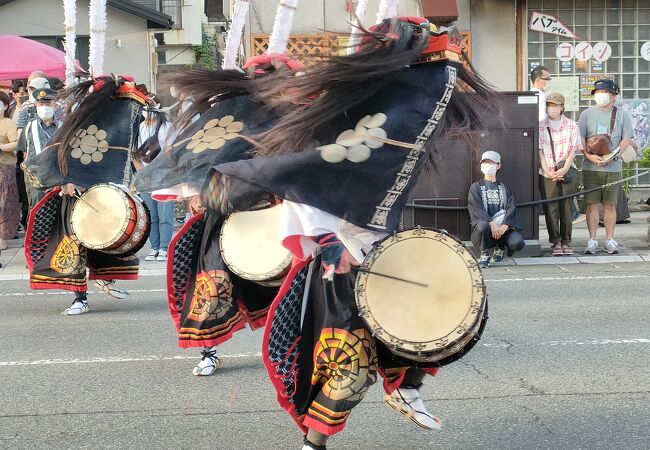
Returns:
point(567, 250)
point(556, 250)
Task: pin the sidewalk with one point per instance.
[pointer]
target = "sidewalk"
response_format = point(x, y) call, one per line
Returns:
point(632, 238)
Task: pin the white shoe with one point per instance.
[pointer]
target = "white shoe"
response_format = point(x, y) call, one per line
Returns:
point(107, 287)
point(78, 307)
point(162, 255)
point(209, 363)
point(409, 403)
point(151, 256)
point(592, 247)
point(612, 247)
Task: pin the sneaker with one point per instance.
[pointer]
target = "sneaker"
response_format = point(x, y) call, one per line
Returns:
point(612, 247)
point(162, 255)
point(580, 218)
point(78, 307)
point(151, 256)
point(108, 288)
point(592, 247)
point(409, 403)
point(209, 362)
point(484, 261)
point(497, 256)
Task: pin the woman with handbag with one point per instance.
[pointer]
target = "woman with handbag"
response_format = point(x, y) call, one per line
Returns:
point(559, 140)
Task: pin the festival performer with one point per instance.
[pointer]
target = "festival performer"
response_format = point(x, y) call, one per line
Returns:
point(207, 301)
point(344, 163)
point(92, 146)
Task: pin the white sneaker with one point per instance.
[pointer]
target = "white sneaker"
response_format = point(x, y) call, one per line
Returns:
point(592, 247)
point(162, 255)
point(409, 403)
point(612, 247)
point(151, 256)
point(209, 363)
point(107, 287)
point(78, 307)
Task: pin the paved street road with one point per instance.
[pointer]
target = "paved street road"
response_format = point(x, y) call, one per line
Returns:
point(564, 364)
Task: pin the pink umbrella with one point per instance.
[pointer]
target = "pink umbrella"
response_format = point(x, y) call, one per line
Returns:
point(20, 56)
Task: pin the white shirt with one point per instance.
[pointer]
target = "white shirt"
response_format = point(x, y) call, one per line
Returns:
point(542, 103)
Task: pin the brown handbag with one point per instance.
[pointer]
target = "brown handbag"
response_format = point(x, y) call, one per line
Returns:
point(601, 144)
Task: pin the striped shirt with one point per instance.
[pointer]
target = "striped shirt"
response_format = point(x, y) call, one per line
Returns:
point(566, 140)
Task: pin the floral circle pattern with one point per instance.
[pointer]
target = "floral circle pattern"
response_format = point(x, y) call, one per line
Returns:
point(355, 145)
point(89, 145)
point(214, 134)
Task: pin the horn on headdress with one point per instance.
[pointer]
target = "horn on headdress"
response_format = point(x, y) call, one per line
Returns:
point(70, 44)
point(282, 26)
point(97, 13)
point(355, 33)
point(387, 10)
point(233, 41)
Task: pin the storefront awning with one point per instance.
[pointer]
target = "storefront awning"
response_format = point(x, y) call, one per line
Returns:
point(440, 10)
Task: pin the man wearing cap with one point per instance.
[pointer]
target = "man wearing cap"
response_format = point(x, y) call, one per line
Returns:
point(493, 214)
point(27, 112)
point(39, 132)
point(604, 118)
point(559, 141)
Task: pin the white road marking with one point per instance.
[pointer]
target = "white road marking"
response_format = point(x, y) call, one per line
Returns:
point(578, 277)
point(127, 359)
point(41, 293)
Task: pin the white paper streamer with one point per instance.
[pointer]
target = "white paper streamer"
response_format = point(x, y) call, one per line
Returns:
point(355, 32)
point(97, 14)
point(70, 23)
point(387, 9)
point(233, 42)
point(282, 26)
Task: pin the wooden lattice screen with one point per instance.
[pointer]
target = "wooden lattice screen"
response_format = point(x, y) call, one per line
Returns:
point(307, 47)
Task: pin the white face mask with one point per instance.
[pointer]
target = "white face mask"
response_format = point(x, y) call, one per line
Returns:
point(602, 98)
point(554, 112)
point(45, 112)
point(489, 169)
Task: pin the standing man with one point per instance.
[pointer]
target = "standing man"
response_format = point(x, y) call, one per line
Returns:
point(603, 118)
point(539, 78)
point(38, 133)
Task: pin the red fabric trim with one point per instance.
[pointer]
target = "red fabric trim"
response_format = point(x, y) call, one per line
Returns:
point(62, 287)
point(116, 276)
point(191, 343)
point(433, 371)
point(390, 386)
point(30, 226)
point(165, 197)
point(296, 267)
point(171, 251)
point(328, 430)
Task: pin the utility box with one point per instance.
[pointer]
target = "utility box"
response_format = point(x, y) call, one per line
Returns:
point(515, 136)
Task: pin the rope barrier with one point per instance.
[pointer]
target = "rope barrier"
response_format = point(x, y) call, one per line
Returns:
point(526, 204)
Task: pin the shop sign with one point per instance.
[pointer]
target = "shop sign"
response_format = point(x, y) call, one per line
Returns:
point(545, 23)
point(602, 51)
point(645, 51)
point(597, 66)
point(567, 66)
point(583, 51)
point(564, 51)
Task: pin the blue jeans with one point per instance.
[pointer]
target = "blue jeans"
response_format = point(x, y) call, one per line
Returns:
point(162, 216)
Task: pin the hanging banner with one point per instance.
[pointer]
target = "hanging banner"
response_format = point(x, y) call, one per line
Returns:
point(545, 23)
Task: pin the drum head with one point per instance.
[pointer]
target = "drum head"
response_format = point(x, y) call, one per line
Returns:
point(251, 246)
point(413, 317)
point(100, 217)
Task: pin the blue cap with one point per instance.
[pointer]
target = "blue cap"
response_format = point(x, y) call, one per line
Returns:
point(605, 85)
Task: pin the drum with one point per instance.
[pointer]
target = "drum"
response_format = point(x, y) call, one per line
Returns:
point(251, 247)
point(421, 292)
point(110, 219)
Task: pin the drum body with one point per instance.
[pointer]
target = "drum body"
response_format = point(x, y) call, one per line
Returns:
point(251, 248)
point(110, 219)
point(436, 320)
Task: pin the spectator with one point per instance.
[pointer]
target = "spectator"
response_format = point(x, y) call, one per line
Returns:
point(39, 132)
point(20, 96)
point(539, 77)
point(493, 214)
point(154, 133)
point(9, 205)
point(603, 118)
point(559, 140)
point(36, 80)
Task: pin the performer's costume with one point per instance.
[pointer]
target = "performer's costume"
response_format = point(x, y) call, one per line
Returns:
point(99, 136)
point(343, 193)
